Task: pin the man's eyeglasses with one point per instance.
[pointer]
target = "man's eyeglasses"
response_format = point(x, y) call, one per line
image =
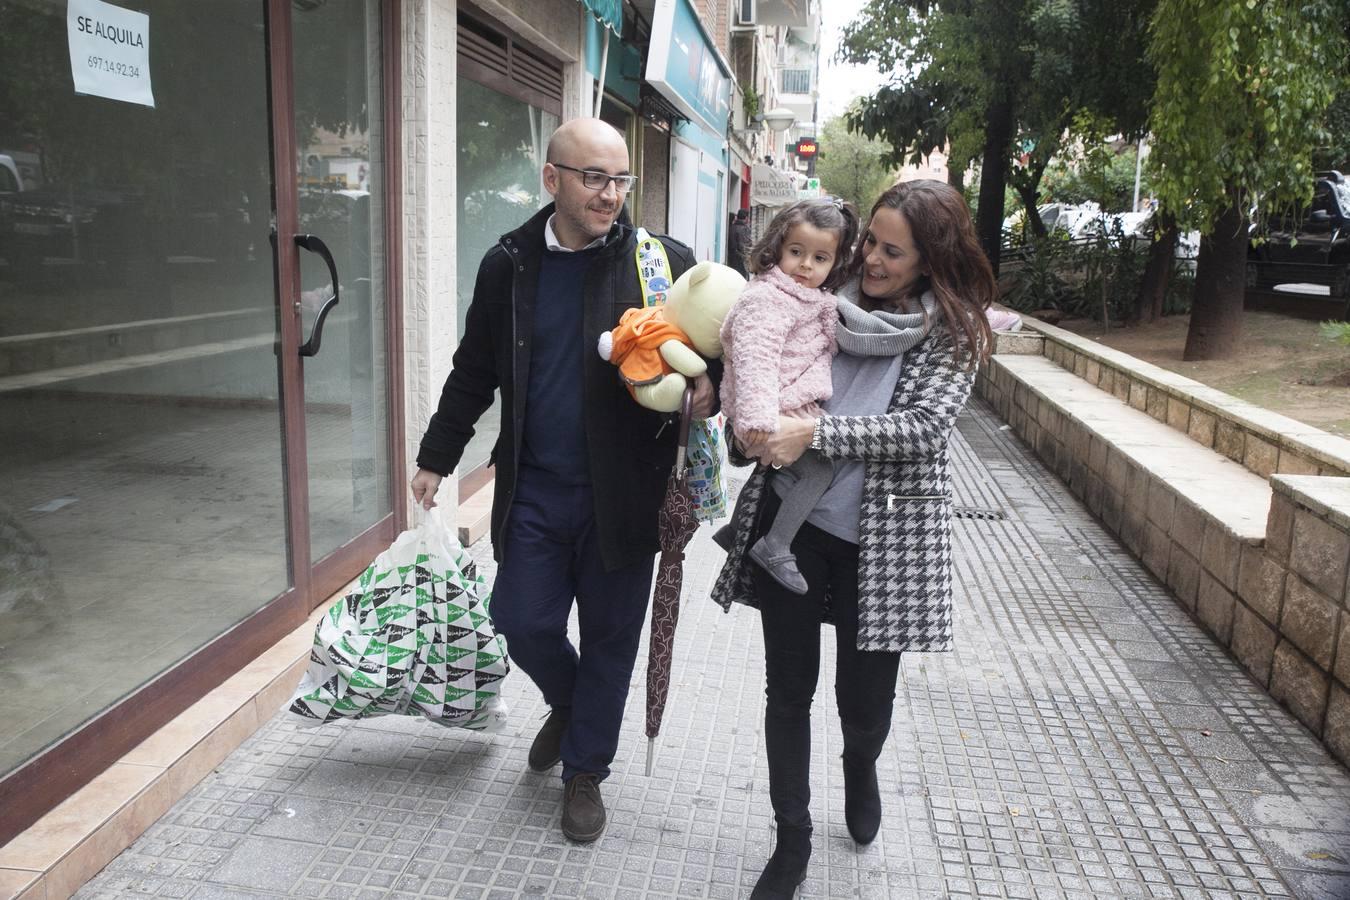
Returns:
point(598, 181)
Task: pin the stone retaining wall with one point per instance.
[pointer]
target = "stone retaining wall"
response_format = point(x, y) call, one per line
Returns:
point(1279, 601)
point(1265, 442)
point(1292, 624)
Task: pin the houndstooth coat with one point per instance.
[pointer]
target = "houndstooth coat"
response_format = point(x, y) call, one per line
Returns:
point(904, 547)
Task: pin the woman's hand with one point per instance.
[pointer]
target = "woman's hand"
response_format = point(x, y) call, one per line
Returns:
point(786, 444)
point(753, 437)
point(812, 411)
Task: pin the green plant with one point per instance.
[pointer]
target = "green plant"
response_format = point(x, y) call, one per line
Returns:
point(1099, 174)
point(1180, 289)
point(1043, 279)
point(1112, 265)
point(750, 101)
point(1337, 331)
point(1088, 278)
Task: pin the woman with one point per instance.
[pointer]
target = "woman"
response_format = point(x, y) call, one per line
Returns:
point(876, 550)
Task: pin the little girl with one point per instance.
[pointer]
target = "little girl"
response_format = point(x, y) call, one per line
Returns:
point(778, 342)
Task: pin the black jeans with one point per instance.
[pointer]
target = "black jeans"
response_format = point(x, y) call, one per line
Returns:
point(864, 684)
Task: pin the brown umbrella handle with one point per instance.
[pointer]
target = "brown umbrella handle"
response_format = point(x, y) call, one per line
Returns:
point(686, 418)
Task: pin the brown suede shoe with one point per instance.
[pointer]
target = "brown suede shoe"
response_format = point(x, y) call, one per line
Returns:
point(583, 815)
point(546, 751)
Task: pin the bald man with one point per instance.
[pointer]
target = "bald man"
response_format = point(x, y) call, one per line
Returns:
point(581, 468)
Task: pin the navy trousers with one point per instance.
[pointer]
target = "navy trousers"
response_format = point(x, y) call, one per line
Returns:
point(550, 557)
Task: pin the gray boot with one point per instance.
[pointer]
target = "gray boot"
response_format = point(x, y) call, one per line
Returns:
point(779, 561)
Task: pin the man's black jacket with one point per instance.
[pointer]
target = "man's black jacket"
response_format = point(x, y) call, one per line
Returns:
point(631, 449)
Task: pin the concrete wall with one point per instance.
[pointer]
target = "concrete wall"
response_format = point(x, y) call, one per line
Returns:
point(429, 315)
point(1291, 626)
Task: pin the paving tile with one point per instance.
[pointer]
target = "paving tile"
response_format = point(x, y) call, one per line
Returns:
point(1058, 752)
point(265, 864)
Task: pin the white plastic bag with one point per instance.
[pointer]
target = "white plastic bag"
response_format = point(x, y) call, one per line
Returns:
point(413, 638)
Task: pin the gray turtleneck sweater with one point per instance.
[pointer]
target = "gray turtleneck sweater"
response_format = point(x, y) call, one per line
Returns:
point(864, 374)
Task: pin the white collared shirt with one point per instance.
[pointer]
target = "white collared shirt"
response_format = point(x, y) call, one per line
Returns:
point(551, 238)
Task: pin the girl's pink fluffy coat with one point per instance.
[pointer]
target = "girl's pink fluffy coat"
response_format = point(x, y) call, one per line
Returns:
point(777, 344)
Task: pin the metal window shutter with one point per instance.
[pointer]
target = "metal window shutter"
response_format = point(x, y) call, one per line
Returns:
point(499, 61)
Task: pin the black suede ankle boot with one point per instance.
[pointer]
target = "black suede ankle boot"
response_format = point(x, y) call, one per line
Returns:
point(787, 866)
point(862, 800)
point(862, 796)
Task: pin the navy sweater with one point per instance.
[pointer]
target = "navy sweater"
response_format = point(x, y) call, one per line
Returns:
point(555, 430)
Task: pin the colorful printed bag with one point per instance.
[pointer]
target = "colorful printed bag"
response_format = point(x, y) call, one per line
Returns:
point(706, 458)
point(413, 639)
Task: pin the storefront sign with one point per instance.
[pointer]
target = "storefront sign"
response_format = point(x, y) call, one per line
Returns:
point(771, 188)
point(109, 51)
point(685, 67)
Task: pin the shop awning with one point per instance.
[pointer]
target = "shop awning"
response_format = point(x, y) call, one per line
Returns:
point(608, 12)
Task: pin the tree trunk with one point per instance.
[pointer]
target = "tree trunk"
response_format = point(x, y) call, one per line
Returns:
point(1027, 183)
point(1148, 304)
point(1034, 223)
point(956, 179)
point(994, 175)
point(1220, 283)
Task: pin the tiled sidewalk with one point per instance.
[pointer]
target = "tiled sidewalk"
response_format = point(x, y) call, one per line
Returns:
point(1086, 740)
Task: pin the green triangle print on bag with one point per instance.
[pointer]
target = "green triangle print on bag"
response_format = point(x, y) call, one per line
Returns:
point(414, 638)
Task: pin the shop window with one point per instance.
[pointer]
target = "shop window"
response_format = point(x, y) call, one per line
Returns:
point(509, 103)
point(623, 118)
point(141, 484)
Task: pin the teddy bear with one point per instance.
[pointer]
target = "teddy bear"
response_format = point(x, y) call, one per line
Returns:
point(660, 349)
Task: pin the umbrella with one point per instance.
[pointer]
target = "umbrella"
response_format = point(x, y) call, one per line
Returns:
point(676, 525)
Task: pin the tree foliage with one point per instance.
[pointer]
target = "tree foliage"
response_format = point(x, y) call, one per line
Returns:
point(1242, 94)
point(1098, 170)
point(853, 166)
point(998, 80)
point(1243, 88)
point(1334, 152)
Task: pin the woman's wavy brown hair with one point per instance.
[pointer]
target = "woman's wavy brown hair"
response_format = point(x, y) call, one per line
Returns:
point(959, 274)
point(825, 214)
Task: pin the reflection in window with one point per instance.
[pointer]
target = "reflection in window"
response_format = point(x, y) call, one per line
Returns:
point(502, 142)
point(141, 482)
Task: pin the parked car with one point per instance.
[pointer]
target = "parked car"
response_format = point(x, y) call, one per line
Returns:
point(1311, 246)
point(11, 182)
point(60, 227)
point(1073, 219)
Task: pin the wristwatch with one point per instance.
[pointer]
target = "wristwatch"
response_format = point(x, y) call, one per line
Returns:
point(817, 437)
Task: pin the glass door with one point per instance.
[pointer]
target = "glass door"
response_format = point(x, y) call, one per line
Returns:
point(142, 474)
point(179, 487)
point(340, 192)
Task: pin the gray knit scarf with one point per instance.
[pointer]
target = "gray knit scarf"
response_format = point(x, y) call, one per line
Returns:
point(880, 333)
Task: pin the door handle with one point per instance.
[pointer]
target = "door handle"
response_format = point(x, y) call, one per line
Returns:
point(314, 244)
